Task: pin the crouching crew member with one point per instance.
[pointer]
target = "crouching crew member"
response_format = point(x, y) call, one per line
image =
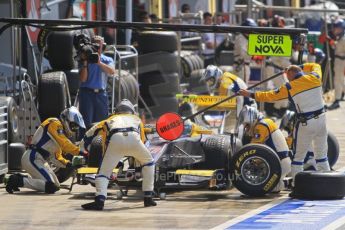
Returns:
point(124, 135)
point(304, 91)
point(265, 131)
point(48, 143)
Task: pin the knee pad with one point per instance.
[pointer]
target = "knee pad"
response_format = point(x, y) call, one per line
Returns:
point(51, 188)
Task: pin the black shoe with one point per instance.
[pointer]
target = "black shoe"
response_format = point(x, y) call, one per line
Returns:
point(96, 205)
point(14, 182)
point(148, 201)
point(335, 105)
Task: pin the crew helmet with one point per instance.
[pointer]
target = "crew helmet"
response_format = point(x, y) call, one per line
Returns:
point(278, 21)
point(212, 76)
point(319, 55)
point(249, 22)
point(125, 106)
point(71, 120)
point(287, 122)
point(248, 115)
point(339, 23)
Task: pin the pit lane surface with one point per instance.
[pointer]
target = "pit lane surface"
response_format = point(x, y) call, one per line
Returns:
point(181, 210)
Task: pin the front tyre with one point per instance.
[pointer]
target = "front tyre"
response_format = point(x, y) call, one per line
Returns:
point(255, 169)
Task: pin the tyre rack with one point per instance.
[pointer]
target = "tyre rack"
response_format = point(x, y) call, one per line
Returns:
point(122, 53)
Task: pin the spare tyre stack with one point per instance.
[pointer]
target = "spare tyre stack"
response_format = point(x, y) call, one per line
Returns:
point(192, 66)
point(158, 71)
point(128, 88)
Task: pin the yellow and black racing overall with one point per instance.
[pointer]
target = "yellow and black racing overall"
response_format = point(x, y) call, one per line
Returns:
point(48, 144)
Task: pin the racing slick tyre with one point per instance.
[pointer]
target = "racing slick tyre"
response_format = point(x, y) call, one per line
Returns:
point(15, 153)
point(217, 151)
point(318, 185)
point(12, 121)
point(73, 81)
point(153, 41)
point(96, 152)
point(53, 95)
point(255, 169)
point(333, 149)
point(195, 86)
point(164, 62)
point(61, 59)
point(187, 65)
point(166, 85)
point(129, 88)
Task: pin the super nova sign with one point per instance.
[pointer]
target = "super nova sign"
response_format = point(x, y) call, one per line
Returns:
point(269, 45)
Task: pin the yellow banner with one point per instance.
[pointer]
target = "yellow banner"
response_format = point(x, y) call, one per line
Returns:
point(207, 100)
point(269, 45)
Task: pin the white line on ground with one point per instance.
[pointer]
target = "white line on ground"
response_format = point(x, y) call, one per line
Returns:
point(251, 213)
point(236, 220)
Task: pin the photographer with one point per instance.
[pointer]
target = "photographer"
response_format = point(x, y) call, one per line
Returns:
point(93, 100)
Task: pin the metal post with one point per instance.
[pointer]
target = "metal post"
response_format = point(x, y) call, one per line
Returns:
point(328, 69)
point(249, 9)
point(88, 10)
point(129, 7)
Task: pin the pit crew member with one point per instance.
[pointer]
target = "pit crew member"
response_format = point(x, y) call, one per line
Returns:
point(265, 131)
point(123, 135)
point(48, 143)
point(304, 91)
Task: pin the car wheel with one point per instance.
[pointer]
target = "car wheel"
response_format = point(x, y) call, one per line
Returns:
point(96, 152)
point(255, 169)
point(333, 149)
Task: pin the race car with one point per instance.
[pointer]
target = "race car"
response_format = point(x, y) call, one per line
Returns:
point(201, 162)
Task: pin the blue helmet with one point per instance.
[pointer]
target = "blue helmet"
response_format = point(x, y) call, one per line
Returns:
point(319, 55)
point(249, 22)
point(339, 23)
point(72, 120)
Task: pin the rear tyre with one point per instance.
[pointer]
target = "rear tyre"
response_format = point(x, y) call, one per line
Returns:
point(255, 169)
point(217, 150)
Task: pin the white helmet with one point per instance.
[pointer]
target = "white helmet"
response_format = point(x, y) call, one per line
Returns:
point(248, 115)
point(72, 120)
point(287, 122)
point(125, 106)
point(212, 73)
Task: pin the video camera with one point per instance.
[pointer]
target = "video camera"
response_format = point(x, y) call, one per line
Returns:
point(85, 48)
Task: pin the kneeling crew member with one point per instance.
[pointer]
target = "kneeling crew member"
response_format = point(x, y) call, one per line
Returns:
point(265, 131)
point(124, 135)
point(304, 91)
point(48, 143)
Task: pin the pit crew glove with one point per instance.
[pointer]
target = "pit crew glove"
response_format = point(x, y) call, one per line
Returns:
point(78, 161)
point(84, 154)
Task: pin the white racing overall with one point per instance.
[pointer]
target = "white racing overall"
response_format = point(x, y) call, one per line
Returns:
point(124, 137)
point(305, 93)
